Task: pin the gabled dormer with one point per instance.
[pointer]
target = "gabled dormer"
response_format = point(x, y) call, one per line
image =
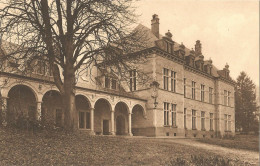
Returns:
point(225, 72)
point(180, 52)
point(208, 66)
point(190, 59)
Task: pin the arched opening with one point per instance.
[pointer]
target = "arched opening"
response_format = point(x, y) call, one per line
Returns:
point(137, 119)
point(121, 114)
point(102, 117)
point(52, 113)
point(21, 103)
point(120, 125)
point(83, 108)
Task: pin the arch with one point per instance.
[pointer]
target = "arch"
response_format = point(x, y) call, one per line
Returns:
point(82, 98)
point(6, 90)
point(105, 100)
point(21, 103)
point(122, 104)
point(140, 108)
point(121, 117)
point(102, 117)
point(51, 108)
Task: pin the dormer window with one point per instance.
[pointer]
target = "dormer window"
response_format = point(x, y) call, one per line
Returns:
point(132, 80)
point(110, 83)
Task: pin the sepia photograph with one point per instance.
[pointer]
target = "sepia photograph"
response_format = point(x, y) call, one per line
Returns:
point(129, 82)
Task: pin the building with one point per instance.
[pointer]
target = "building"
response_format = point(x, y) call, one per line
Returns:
point(184, 96)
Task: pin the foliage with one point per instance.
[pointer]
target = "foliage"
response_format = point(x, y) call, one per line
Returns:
point(62, 148)
point(68, 37)
point(196, 160)
point(247, 142)
point(245, 103)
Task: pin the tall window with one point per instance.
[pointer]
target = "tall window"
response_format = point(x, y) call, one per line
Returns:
point(225, 97)
point(229, 122)
point(228, 98)
point(202, 120)
point(84, 120)
point(174, 123)
point(113, 82)
point(193, 91)
point(184, 86)
point(210, 95)
point(107, 82)
point(202, 92)
point(165, 78)
point(185, 118)
point(211, 116)
point(226, 121)
point(193, 119)
point(58, 118)
point(132, 80)
point(173, 81)
point(166, 113)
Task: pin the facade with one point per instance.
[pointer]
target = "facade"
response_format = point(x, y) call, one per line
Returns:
point(185, 95)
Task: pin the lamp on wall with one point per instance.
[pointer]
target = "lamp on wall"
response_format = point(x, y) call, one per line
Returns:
point(155, 85)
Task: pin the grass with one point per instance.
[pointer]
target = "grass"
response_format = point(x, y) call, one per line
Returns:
point(58, 148)
point(246, 142)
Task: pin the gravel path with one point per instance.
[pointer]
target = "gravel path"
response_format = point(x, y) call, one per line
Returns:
point(242, 155)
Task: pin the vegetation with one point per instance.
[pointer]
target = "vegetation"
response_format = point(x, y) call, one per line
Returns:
point(245, 104)
point(60, 148)
point(247, 142)
point(68, 37)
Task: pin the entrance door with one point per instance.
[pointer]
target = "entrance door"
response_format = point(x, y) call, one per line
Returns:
point(105, 127)
point(120, 125)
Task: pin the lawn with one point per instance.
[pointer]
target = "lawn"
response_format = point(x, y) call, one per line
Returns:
point(246, 142)
point(58, 148)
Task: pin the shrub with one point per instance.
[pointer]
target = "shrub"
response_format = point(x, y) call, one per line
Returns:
point(201, 161)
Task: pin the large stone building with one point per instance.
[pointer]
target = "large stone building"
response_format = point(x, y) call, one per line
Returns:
point(184, 96)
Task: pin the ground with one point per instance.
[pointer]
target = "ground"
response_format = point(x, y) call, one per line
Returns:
point(23, 148)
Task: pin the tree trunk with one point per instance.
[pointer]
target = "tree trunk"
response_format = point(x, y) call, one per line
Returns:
point(70, 115)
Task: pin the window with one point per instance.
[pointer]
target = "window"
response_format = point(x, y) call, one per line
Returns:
point(225, 97)
point(229, 122)
point(174, 123)
point(58, 117)
point(113, 86)
point(211, 116)
point(184, 87)
point(132, 80)
point(107, 82)
point(202, 120)
point(202, 92)
point(165, 78)
point(226, 121)
point(166, 113)
point(193, 119)
point(228, 98)
point(84, 120)
point(210, 95)
point(185, 118)
point(193, 84)
point(173, 81)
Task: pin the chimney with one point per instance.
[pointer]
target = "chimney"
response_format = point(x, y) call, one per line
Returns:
point(198, 48)
point(155, 25)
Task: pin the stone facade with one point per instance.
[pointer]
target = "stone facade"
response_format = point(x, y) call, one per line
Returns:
point(185, 95)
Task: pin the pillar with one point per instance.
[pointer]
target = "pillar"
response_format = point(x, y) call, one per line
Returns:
point(112, 122)
point(39, 110)
point(92, 132)
point(4, 111)
point(130, 124)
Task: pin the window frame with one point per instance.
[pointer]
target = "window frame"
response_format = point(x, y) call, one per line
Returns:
point(193, 90)
point(166, 113)
point(210, 95)
point(165, 79)
point(194, 125)
point(174, 115)
point(202, 92)
point(211, 121)
point(133, 84)
point(203, 121)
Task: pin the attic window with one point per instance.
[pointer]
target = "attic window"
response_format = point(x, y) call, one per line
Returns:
point(110, 83)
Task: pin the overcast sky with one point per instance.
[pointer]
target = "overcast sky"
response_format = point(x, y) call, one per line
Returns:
point(228, 30)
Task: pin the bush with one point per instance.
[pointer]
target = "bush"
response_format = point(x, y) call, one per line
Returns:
point(201, 161)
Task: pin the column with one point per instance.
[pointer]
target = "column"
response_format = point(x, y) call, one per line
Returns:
point(39, 111)
point(92, 121)
point(112, 122)
point(4, 110)
point(130, 124)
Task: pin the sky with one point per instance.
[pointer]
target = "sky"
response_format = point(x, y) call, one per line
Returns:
point(228, 30)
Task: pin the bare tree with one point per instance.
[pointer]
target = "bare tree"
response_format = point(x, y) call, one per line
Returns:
point(70, 36)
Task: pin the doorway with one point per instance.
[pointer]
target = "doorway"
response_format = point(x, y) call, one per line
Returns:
point(105, 127)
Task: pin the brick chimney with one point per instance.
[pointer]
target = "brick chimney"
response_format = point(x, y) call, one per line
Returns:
point(198, 48)
point(155, 25)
